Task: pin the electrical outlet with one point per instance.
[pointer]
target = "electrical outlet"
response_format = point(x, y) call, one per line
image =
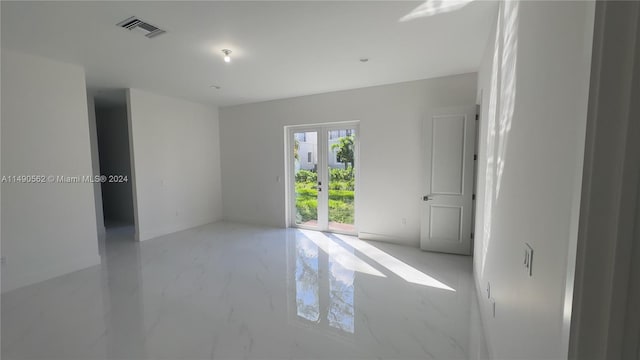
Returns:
point(528, 259)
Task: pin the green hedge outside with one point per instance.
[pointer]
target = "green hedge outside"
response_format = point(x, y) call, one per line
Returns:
point(341, 196)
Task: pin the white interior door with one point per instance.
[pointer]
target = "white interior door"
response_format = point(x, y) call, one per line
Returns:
point(446, 221)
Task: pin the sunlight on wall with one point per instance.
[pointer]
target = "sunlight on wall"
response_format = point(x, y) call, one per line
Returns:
point(405, 271)
point(491, 135)
point(434, 7)
point(507, 83)
point(503, 83)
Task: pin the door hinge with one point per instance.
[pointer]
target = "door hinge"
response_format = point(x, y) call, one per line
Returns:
point(473, 197)
point(472, 235)
point(475, 157)
point(477, 116)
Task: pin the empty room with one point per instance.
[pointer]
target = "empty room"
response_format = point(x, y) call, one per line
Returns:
point(439, 179)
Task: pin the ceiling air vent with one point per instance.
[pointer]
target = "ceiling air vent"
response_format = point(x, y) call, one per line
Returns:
point(135, 23)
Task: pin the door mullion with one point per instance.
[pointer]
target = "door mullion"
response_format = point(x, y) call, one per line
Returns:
point(323, 177)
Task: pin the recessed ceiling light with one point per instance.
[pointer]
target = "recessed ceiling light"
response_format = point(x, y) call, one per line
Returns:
point(364, 60)
point(215, 87)
point(227, 53)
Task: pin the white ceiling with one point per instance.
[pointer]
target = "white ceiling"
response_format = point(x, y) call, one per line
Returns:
point(280, 49)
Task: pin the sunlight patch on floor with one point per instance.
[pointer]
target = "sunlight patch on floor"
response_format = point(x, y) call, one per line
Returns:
point(339, 254)
point(404, 270)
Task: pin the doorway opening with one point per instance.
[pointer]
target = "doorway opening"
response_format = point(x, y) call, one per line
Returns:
point(322, 173)
point(114, 154)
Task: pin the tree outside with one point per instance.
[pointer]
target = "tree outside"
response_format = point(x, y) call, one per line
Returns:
point(344, 151)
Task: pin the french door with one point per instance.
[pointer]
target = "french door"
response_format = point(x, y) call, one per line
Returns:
point(322, 163)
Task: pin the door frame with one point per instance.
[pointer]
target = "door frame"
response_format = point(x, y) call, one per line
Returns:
point(603, 276)
point(323, 176)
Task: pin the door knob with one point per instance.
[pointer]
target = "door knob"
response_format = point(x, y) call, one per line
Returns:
point(427, 198)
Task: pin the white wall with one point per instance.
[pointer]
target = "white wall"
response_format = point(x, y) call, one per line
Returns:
point(176, 159)
point(390, 188)
point(534, 92)
point(47, 229)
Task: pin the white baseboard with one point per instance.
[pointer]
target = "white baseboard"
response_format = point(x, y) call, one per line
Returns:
point(388, 238)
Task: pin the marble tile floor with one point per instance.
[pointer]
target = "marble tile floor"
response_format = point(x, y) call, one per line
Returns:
point(232, 291)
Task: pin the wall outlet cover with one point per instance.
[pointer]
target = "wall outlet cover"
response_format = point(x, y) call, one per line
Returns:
point(528, 259)
point(492, 302)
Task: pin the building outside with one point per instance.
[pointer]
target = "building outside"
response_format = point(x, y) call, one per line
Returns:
point(308, 149)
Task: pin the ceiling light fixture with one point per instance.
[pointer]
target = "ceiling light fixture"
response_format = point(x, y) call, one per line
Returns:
point(226, 53)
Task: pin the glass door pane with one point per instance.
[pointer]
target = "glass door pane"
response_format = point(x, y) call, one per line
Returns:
point(342, 177)
point(305, 154)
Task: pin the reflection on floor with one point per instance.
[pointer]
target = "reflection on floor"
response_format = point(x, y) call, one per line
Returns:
point(339, 312)
point(230, 291)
